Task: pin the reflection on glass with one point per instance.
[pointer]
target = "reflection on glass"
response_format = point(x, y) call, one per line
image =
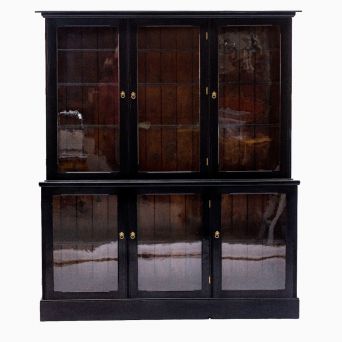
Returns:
point(168, 98)
point(249, 98)
point(169, 242)
point(88, 106)
point(253, 241)
point(85, 246)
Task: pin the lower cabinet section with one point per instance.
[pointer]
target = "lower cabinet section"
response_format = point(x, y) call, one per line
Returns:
point(206, 250)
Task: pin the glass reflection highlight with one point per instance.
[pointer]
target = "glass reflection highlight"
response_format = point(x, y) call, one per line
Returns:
point(253, 266)
point(85, 268)
point(172, 266)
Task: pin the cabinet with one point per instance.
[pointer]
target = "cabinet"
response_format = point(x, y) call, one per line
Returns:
point(169, 190)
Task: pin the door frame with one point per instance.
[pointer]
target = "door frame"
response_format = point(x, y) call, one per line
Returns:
point(47, 194)
point(290, 242)
point(133, 26)
point(52, 26)
point(285, 25)
point(132, 244)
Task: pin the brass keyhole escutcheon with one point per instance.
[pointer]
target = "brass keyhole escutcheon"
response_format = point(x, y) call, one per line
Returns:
point(133, 95)
point(121, 235)
point(132, 235)
point(213, 95)
point(217, 234)
point(122, 94)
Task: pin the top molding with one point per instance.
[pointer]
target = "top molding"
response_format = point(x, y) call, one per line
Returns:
point(168, 14)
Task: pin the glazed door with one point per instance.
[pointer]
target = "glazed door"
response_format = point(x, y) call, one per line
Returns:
point(85, 246)
point(169, 248)
point(85, 110)
point(251, 111)
point(254, 243)
point(169, 63)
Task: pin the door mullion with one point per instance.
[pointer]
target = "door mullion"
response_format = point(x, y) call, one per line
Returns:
point(132, 245)
point(122, 96)
point(204, 96)
point(122, 245)
point(206, 247)
point(213, 102)
point(131, 60)
point(216, 244)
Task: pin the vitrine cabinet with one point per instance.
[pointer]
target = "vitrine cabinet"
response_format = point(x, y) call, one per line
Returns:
point(169, 190)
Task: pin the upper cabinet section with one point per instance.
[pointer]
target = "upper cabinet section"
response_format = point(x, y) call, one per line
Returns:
point(168, 95)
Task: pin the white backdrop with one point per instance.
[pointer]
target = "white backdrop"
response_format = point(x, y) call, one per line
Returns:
point(317, 123)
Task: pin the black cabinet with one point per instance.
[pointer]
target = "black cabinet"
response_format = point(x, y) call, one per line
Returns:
point(169, 190)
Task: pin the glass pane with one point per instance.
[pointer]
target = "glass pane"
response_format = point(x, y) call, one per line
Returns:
point(170, 242)
point(88, 105)
point(253, 241)
point(85, 246)
point(168, 98)
point(249, 98)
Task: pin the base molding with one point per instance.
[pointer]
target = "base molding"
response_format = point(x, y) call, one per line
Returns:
point(199, 308)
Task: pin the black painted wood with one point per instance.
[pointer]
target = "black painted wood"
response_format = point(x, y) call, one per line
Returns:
point(127, 183)
point(168, 182)
point(168, 14)
point(125, 309)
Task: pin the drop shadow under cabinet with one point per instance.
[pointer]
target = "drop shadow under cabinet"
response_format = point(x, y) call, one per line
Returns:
point(169, 191)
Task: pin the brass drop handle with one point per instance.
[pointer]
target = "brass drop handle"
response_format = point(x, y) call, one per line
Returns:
point(132, 235)
point(133, 95)
point(217, 234)
point(213, 95)
point(121, 235)
point(122, 94)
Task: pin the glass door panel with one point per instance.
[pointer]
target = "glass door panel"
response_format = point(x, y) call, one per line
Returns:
point(88, 99)
point(253, 245)
point(249, 98)
point(169, 243)
point(85, 244)
point(168, 98)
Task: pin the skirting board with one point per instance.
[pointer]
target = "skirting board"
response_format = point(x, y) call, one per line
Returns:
point(205, 308)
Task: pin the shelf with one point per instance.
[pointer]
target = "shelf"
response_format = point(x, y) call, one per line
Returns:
point(196, 50)
point(148, 125)
point(86, 84)
point(87, 50)
point(229, 125)
point(239, 50)
point(81, 126)
point(257, 83)
point(167, 83)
